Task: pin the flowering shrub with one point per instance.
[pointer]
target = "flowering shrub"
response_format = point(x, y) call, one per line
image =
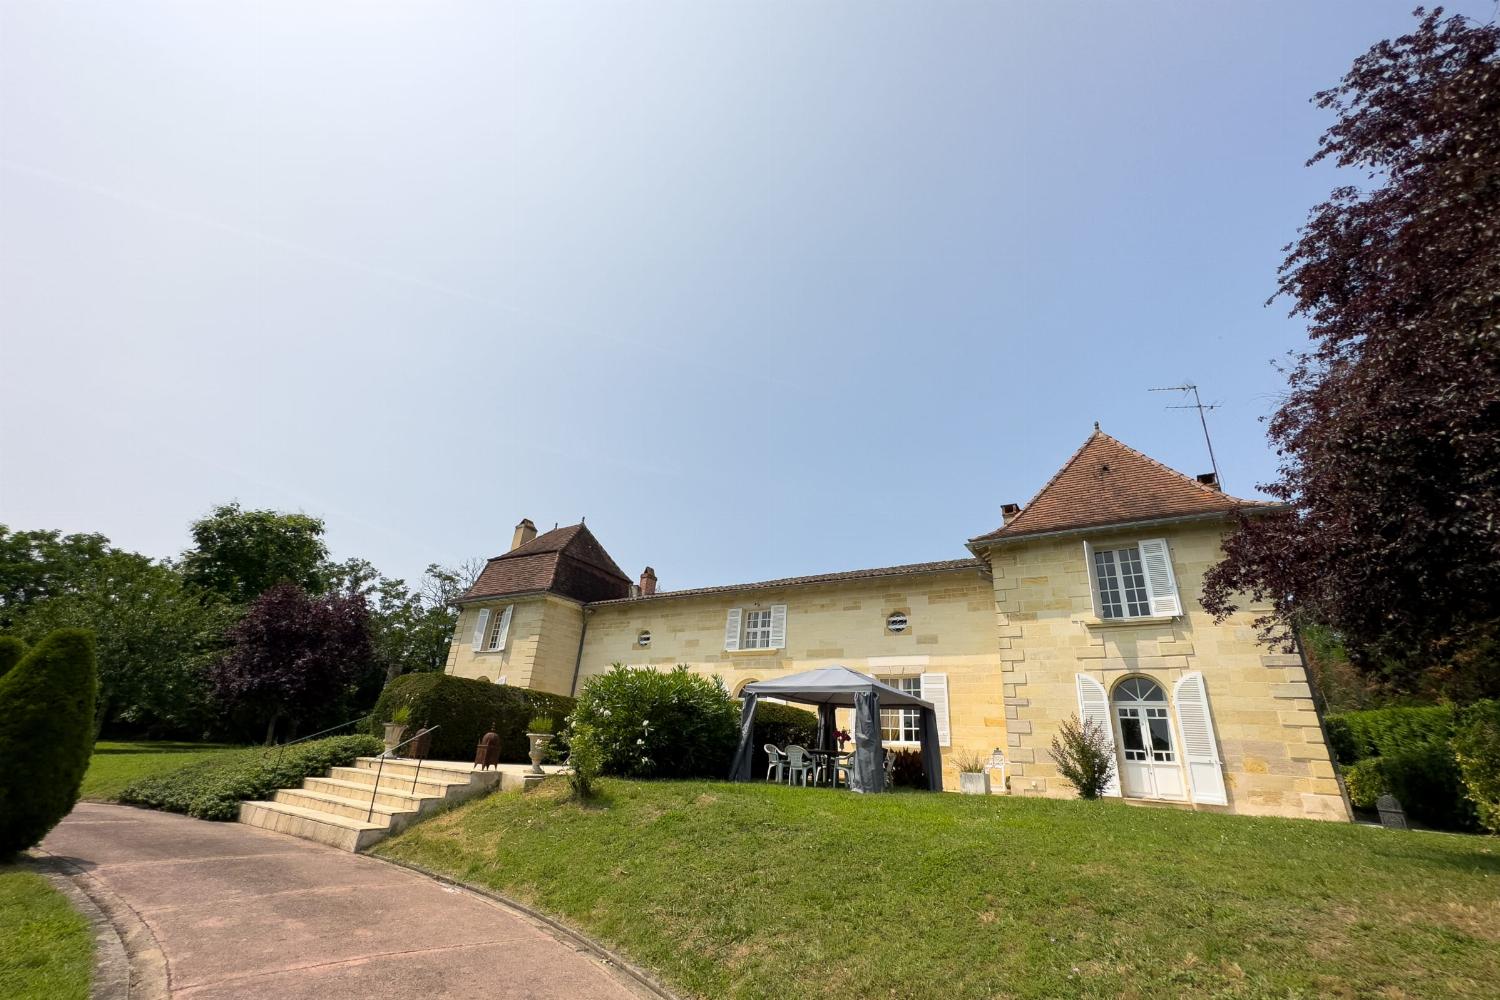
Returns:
point(655, 724)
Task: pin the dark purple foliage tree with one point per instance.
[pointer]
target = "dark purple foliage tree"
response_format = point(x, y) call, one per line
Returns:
point(1389, 436)
point(294, 655)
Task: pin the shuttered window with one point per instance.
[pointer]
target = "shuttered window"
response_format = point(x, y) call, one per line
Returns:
point(500, 629)
point(1133, 582)
point(755, 628)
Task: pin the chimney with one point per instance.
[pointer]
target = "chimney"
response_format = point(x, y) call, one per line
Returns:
point(1209, 479)
point(1008, 512)
point(525, 532)
point(648, 582)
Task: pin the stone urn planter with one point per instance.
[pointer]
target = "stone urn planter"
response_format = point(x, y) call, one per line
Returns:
point(394, 731)
point(539, 743)
point(972, 783)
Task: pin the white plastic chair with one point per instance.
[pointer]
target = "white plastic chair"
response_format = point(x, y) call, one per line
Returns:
point(797, 764)
point(777, 760)
point(844, 766)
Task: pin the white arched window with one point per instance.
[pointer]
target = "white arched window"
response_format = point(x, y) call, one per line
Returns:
point(1149, 765)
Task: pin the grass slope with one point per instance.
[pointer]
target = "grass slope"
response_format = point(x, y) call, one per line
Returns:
point(762, 891)
point(116, 764)
point(46, 947)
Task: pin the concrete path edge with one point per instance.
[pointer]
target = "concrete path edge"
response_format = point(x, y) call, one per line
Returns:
point(128, 964)
point(638, 976)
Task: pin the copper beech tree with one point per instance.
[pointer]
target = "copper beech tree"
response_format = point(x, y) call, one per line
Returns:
point(1389, 434)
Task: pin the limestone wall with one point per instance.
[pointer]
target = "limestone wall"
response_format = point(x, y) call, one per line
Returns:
point(1275, 759)
point(951, 631)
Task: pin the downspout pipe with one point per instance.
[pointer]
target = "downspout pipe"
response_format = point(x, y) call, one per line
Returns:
point(578, 663)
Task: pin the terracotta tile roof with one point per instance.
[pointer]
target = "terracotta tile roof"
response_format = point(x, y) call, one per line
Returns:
point(1107, 482)
point(567, 561)
point(910, 569)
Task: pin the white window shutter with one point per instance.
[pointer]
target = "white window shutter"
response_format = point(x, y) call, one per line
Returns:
point(1093, 706)
point(504, 630)
point(935, 690)
point(1088, 560)
point(778, 626)
point(1199, 748)
point(479, 627)
point(732, 630)
point(1159, 577)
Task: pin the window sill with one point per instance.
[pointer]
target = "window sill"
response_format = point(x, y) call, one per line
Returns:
point(754, 652)
point(1158, 621)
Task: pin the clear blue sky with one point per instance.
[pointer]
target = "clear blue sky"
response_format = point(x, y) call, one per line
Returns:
point(761, 288)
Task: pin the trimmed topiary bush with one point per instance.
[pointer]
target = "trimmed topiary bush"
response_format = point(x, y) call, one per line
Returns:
point(1476, 746)
point(1380, 732)
point(46, 735)
point(781, 724)
point(214, 788)
point(1366, 782)
point(11, 651)
point(660, 724)
point(464, 710)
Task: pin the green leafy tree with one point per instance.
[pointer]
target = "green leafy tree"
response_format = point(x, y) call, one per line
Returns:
point(155, 636)
point(240, 554)
point(46, 736)
point(37, 565)
point(410, 630)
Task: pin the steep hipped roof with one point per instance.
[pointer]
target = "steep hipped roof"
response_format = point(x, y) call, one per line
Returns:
point(1107, 482)
point(567, 561)
point(909, 569)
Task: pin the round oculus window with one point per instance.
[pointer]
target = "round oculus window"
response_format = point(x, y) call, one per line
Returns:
point(644, 639)
point(896, 622)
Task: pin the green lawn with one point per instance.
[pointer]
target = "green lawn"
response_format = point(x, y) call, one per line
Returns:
point(46, 947)
point(763, 891)
point(116, 764)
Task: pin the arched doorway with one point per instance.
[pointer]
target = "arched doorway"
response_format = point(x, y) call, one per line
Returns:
point(1149, 767)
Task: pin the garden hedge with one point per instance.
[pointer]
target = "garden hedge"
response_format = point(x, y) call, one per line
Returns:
point(1380, 732)
point(660, 724)
point(464, 710)
point(46, 734)
point(214, 788)
point(1426, 781)
point(1476, 745)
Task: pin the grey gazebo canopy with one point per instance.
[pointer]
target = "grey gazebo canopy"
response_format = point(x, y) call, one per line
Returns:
point(831, 688)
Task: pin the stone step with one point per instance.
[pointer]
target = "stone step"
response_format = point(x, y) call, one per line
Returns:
point(437, 788)
point(354, 791)
point(350, 808)
point(311, 824)
point(447, 770)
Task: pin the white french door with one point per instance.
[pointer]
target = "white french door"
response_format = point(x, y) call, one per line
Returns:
point(1149, 768)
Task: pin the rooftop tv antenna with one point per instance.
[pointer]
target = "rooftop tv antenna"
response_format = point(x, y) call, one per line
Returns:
point(1200, 406)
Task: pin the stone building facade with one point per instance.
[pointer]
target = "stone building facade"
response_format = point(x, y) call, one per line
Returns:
point(1085, 602)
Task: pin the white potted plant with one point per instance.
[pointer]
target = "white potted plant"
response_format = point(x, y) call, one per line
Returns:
point(396, 728)
point(539, 731)
point(973, 779)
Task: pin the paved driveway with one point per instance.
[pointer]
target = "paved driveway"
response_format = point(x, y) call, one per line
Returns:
point(239, 912)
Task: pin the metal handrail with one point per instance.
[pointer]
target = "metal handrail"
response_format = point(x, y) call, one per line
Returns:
point(302, 739)
point(380, 769)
